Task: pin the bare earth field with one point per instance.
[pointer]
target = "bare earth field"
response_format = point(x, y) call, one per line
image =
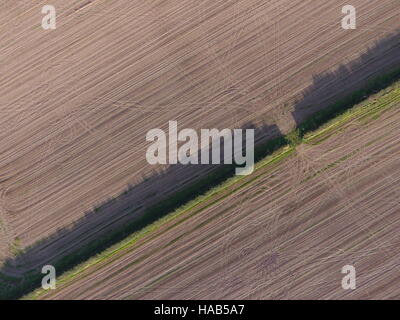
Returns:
point(285, 235)
point(76, 103)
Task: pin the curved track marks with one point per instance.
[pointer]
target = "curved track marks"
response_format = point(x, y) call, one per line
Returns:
point(76, 102)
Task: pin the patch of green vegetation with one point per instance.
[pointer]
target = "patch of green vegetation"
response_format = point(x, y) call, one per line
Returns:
point(16, 248)
point(294, 138)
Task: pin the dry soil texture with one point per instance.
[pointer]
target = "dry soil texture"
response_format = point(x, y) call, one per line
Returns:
point(76, 102)
point(285, 235)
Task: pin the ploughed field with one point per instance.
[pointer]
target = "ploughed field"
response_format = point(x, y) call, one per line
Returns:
point(76, 103)
point(284, 233)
